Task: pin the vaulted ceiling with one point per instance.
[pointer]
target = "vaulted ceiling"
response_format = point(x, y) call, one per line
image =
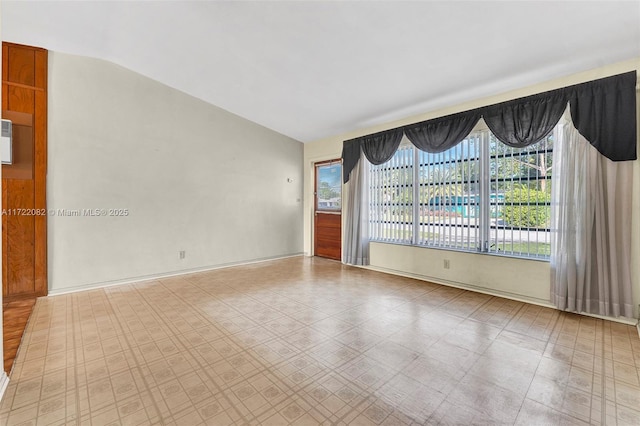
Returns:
point(316, 69)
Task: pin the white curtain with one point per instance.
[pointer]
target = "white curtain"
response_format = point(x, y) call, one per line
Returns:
point(356, 240)
point(591, 228)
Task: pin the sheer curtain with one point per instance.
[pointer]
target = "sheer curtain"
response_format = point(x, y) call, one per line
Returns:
point(591, 176)
point(356, 232)
point(591, 228)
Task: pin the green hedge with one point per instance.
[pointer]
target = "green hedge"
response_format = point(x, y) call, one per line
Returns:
point(530, 216)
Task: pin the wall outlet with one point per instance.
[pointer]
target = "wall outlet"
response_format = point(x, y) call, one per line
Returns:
point(447, 265)
point(183, 254)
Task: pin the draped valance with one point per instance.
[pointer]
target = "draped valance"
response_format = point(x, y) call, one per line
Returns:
point(603, 111)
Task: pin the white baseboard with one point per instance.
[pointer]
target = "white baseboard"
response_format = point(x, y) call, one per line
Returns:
point(621, 320)
point(4, 382)
point(490, 292)
point(131, 280)
point(497, 293)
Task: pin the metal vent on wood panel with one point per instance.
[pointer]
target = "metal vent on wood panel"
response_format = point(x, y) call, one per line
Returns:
point(6, 149)
point(6, 128)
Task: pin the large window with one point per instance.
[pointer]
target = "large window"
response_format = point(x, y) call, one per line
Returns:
point(480, 195)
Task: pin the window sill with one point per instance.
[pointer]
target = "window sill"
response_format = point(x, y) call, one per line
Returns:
point(512, 256)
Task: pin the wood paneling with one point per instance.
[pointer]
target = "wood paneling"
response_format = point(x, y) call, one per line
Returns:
point(41, 65)
point(15, 316)
point(24, 236)
point(20, 235)
point(328, 235)
point(22, 65)
point(40, 178)
point(21, 99)
point(23, 151)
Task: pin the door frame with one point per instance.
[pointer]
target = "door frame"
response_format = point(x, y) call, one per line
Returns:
point(314, 205)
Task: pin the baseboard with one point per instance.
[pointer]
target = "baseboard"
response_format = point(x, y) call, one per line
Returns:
point(4, 382)
point(483, 290)
point(497, 293)
point(621, 320)
point(131, 280)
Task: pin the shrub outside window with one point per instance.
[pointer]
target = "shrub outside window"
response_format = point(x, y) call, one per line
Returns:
point(480, 195)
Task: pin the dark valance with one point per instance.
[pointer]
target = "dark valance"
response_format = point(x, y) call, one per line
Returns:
point(523, 122)
point(350, 157)
point(440, 134)
point(603, 111)
point(380, 147)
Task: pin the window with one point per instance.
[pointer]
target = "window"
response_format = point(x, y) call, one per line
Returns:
point(391, 197)
point(329, 187)
point(480, 195)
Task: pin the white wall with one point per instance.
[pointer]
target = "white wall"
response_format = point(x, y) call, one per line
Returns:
point(522, 279)
point(193, 177)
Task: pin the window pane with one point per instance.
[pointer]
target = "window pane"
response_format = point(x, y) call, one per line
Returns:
point(329, 186)
point(520, 198)
point(449, 195)
point(480, 195)
point(391, 198)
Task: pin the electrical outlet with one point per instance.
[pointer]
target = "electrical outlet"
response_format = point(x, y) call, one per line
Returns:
point(183, 254)
point(447, 265)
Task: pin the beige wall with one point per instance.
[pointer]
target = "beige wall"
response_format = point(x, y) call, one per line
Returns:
point(192, 176)
point(510, 277)
point(516, 278)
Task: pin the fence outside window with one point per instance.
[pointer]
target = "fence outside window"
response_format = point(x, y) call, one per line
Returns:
point(480, 195)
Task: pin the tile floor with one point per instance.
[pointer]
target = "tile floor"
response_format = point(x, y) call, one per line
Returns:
point(308, 341)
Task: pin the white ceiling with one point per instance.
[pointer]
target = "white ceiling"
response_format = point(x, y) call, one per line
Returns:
point(316, 69)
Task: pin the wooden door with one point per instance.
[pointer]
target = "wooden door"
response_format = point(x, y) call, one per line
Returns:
point(328, 210)
point(24, 219)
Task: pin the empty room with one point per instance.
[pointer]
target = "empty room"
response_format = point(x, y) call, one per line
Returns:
point(320, 213)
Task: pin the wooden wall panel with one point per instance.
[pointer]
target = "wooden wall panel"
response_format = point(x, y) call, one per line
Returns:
point(5, 63)
point(5, 246)
point(20, 235)
point(40, 181)
point(24, 236)
point(22, 65)
point(23, 151)
point(328, 235)
point(20, 99)
point(5, 99)
point(41, 69)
